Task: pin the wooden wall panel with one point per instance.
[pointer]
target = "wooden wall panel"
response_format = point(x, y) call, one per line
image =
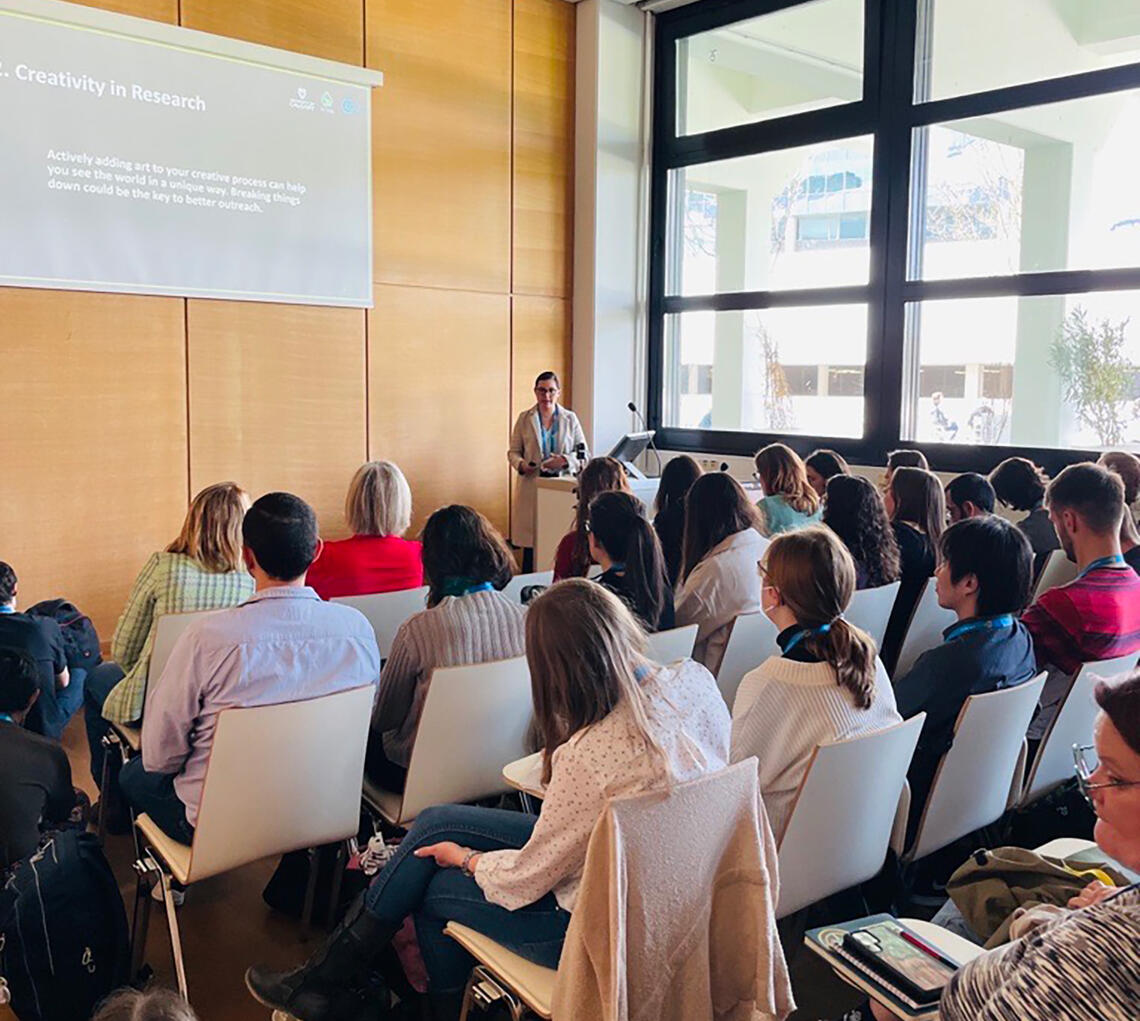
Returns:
point(156, 10)
point(540, 340)
point(277, 400)
point(543, 130)
point(93, 416)
point(333, 29)
point(439, 387)
point(441, 135)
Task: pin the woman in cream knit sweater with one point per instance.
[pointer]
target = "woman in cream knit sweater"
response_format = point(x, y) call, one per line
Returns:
point(826, 685)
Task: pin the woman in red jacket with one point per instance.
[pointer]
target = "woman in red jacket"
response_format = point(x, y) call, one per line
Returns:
point(378, 509)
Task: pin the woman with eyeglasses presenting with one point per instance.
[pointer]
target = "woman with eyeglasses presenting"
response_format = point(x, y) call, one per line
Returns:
point(547, 440)
point(1081, 964)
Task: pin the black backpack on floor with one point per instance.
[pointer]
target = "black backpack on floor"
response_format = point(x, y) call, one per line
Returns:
point(80, 639)
point(63, 930)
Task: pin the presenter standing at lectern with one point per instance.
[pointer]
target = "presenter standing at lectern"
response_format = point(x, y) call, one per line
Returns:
point(544, 441)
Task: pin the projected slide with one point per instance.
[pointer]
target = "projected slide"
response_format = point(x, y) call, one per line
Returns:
point(142, 166)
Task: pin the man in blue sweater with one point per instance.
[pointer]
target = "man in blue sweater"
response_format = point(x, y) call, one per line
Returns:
point(985, 577)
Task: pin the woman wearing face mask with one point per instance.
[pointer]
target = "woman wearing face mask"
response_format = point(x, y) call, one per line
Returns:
point(1079, 965)
point(826, 684)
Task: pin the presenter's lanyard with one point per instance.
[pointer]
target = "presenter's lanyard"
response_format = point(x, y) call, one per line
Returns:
point(799, 636)
point(548, 434)
point(968, 627)
point(1116, 560)
point(485, 586)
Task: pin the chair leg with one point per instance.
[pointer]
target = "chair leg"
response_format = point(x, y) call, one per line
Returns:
point(175, 932)
point(310, 893)
point(110, 742)
point(468, 996)
point(140, 918)
point(343, 850)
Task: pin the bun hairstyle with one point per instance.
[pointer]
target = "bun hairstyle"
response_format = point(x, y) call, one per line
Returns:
point(584, 649)
point(600, 475)
point(815, 577)
point(716, 507)
point(618, 525)
point(782, 473)
point(919, 500)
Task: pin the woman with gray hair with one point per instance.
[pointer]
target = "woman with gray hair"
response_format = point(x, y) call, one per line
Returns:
point(376, 558)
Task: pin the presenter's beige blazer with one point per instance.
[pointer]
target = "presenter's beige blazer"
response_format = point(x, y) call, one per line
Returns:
point(526, 446)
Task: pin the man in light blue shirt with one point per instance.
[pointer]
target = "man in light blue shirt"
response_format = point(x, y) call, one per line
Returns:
point(283, 644)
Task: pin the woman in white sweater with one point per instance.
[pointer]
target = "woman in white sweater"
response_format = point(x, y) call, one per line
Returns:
point(720, 563)
point(612, 723)
point(826, 685)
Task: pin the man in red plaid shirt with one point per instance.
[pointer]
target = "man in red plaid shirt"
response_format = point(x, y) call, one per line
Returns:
point(1097, 616)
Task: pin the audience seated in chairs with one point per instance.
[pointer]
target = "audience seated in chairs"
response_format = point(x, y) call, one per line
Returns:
point(969, 496)
point(611, 723)
point(378, 509)
point(917, 507)
point(283, 644)
point(629, 552)
point(985, 576)
point(200, 570)
point(1127, 466)
point(35, 776)
point(1079, 964)
point(1096, 616)
point(719, 576)
point(602, 474)
point(468, 620)
point(827, 683)
point(669, 510)
point(854, 510)
point(1020, 485)
point(821, 467)
point(59, 692)
point(789, 501)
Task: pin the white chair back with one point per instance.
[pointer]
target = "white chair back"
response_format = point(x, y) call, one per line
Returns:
point(1072, 725)
point(974, 780)
point(870, 610)
point(1058, 570)
point(753, 640)
point(280, 778)
point(166, 633)
point(670, 646)
point(513, 588)
point(475, 718)
point(386, 611)
point(851, 787)
point(927, 623)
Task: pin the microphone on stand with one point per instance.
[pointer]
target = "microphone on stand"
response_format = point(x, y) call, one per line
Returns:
point(645, 425)
point(580, 453)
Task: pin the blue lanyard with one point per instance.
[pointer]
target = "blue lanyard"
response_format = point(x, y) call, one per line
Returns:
point(548, 434)
point(484, 586)
point(967, 627)
point(7, 609)
point(6, 718)
point(799, 636)
point(1116, 560)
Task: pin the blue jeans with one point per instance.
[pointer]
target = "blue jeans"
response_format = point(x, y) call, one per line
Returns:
point(153, 793)
point(99, 684)
point(433, 896)
point(55, 706)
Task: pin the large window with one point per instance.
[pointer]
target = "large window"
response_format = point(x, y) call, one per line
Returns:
point(887, 221)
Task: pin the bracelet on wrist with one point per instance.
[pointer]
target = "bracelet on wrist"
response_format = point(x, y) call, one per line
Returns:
point(465, 866)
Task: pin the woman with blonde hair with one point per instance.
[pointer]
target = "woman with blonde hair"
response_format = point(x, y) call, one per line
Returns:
point(376, 558)
point(612, 723)
point(825, 685)
point(202, 569)
point(789, 500)
point(601, 475)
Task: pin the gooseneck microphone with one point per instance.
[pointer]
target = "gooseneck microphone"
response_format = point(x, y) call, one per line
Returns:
point(645, 425)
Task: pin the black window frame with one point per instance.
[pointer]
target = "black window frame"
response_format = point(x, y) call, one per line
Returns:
point(887, 112)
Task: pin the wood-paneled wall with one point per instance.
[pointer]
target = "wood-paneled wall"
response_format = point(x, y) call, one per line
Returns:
point(114, 409)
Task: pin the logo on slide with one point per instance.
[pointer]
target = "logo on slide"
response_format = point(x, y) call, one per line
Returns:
point(349, 105)
point(301, 100)
point(326, 99)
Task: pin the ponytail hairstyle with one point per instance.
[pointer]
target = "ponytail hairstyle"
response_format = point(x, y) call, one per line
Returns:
point(782, 473)
point(618, 525)
point(815, 577)
point(584, 651)
point(600, 475)
point(919, 501)
point(716, 507)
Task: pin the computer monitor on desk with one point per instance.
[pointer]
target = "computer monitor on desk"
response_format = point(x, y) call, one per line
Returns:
point(629, 448)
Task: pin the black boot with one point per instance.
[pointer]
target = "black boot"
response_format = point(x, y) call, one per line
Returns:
point(326, 988)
